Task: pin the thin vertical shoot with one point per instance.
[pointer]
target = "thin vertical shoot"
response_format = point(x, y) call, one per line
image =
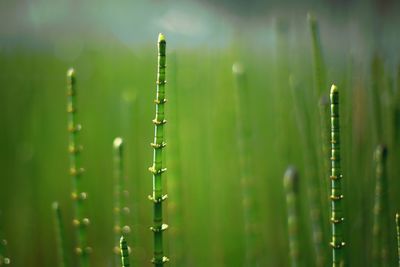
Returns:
point(60, 235)
point(121, 210)
point(337, 242)
point(157, 169)
point(124, 251)
point(291, 185)
point(80, 222)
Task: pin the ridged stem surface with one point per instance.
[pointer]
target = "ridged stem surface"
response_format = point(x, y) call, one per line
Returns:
point(123, 245)
point(158, 168)
point(80, 222)
point(121, 211)
point(337, 219)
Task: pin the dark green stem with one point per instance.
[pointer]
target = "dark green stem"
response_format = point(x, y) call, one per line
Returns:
point(121, 211)
point(124, 248)
point(291, 185)
point(380, 250)
point(157, 168)
point(4, 259)
point(78, 195)
point(398, 236)
point(60, 235)
point(337, 219)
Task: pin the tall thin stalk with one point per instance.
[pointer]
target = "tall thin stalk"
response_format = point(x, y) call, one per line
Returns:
point(246, 175)
point(312, 175)
point(121, 211)
point(124, 248)
point(380, 224)
point(398, 236)
point(321, 99)
point(337, 219)
point(157, 168)
point(60, 235)
point(78, 195)
point(291, 185)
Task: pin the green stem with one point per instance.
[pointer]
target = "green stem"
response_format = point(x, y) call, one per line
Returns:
point(291, 185)
point(157, 168)
point(246, 176)
point(78, 195)
point(121, 211)
point(398, 235)
point(337, 219)
point(124, 248)
point(380, 241)
point(312, 175)
point(60, 235)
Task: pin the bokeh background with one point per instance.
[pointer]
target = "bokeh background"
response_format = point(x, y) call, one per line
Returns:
point(112, 46)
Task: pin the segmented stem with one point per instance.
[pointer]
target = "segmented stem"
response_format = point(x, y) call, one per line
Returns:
point(380, 208)
point(291, 185)
point(78, 195)
point(60, 235)
point(121, 211)
point(246, 176)
point(124, 248)
point(337, 219)
point(398, 235)
point(157, 168)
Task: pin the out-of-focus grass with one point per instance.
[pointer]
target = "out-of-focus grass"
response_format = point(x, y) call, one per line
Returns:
point(116, 99)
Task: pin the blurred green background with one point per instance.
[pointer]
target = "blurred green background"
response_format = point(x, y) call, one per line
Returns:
point(112, 46)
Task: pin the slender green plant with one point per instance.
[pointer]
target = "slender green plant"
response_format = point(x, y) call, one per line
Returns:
point(311, 173)
point(124, 248)
point(321, 98)
point(121, 210)
point(157, 169)
point(291, 185)
point(246, 175)
point(78, 195)
point(398, 236)
point(336, 177)
point(380, 238)
point(60, 235)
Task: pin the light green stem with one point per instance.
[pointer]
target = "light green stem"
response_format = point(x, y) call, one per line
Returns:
point(78, 195)
point(337, 219)
point(124, 248)
point(398, 236)
point(60, 235)
point(291, 185)
point(157, 168)
point(121, 211)
point(380, 250)
point(246, 176)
